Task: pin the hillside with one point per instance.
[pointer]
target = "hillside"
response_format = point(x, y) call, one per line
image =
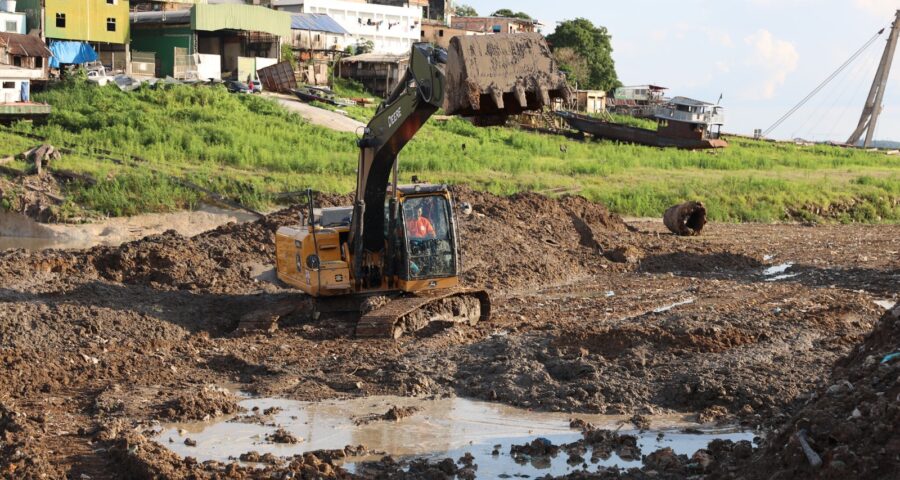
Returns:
point(251, 150)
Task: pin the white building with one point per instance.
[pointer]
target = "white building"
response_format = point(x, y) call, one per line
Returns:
point(10, 20)
point(390, 29)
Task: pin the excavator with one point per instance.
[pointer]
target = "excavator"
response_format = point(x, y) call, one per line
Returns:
point(396, 249)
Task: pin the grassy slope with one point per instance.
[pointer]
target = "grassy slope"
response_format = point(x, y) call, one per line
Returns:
point(248, 148)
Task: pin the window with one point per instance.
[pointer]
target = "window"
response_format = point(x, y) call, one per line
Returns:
point(12, 26)
point(110, 24)
point(60, 20)
point(441, 33)
point(111, 2)
point(9, 84)
point(17, 61)
point(38, 62)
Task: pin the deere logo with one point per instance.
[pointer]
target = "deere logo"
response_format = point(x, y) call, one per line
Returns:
point(394, 117)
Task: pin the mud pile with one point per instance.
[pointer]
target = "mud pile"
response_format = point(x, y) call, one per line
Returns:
point(21, 455)
point(202, 404)
point(851, 421)
point(532, 240)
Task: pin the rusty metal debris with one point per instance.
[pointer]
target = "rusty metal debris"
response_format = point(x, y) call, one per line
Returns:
point(686, 219)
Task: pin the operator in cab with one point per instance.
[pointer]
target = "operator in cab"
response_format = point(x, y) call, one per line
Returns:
point(420, 227)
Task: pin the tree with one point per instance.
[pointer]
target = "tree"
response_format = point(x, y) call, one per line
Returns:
point(593, 43)
point(507, 13)
point(465, 11)
point(287, 55)
point(574, 65)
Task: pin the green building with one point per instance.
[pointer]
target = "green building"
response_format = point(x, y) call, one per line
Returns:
point(216, 39)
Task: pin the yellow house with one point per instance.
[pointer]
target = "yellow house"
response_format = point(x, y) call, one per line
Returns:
point(103, 21)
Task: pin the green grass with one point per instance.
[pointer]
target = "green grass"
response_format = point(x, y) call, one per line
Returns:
point(249, 149)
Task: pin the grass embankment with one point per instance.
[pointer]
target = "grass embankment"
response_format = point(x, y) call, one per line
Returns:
point(249, 149)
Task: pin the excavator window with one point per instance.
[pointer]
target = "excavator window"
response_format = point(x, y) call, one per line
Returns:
point(431, 252)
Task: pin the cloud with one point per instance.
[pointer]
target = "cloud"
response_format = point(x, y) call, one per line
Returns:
point(882, 8)
point(775, 58)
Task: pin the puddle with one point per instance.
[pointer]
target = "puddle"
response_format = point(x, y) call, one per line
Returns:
point(777, 269)
point(441, 428)
point(18, 231)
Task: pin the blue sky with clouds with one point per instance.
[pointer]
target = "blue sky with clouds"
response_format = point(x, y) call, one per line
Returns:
point(763, 56)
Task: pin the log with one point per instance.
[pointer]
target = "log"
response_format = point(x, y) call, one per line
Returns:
point(686, 219)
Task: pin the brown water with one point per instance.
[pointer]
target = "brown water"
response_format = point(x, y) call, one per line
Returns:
point(17, 231)
point(441, 428)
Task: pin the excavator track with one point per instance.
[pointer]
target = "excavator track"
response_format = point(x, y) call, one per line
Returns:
point(410, 313)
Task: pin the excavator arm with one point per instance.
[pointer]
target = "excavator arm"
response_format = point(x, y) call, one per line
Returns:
point(417, 96)
point(488, 76)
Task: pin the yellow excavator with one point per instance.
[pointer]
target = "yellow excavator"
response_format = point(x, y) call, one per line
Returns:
point(396, 249)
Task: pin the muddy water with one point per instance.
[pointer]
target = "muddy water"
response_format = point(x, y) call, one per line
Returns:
point(17, 231)
point(441, 428)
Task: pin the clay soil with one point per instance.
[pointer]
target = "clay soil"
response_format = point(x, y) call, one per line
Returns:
point(97, 345)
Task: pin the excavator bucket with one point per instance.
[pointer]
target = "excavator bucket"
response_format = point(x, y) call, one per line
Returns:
point(502, 74)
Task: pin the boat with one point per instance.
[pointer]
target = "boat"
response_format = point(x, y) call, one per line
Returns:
point(681, 123)
point(318, 94)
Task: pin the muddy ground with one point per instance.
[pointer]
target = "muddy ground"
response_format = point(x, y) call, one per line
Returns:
point(96, 345)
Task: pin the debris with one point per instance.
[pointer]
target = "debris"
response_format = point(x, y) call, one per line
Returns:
point(889, 357)
point(686, 219)
point(814, 459)
point(283, 436)
point(41, 156)
point(190, 442)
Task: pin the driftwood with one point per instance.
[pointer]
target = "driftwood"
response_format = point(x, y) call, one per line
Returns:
point(686, 219)
point(55, 198)
point(41, 156)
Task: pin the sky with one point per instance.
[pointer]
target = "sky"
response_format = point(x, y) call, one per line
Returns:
point(762, 56)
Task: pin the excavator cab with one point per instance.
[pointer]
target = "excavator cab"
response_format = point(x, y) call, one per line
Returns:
point(428, 237)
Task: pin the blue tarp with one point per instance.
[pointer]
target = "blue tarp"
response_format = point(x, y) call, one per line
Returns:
point(71, 52)
point(317, 22)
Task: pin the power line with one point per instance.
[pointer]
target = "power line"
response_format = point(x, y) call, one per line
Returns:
point(823, 84)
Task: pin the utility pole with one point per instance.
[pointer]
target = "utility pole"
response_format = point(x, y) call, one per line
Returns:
point(869, 118)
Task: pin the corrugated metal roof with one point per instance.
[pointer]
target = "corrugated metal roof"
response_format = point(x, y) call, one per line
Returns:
point(164, 17)
point(318, 22)
point(24, 45)
point(377, 58)
point(690, 102)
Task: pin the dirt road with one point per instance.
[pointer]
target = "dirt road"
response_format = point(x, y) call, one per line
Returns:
point(592, 315)
point(318, 116)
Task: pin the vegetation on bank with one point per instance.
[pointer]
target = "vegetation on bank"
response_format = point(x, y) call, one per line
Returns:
point(249, 149)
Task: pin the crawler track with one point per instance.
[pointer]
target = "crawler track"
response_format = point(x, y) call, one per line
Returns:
point(411, 313)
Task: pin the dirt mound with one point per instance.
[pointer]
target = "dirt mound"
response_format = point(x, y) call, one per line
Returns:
point(36, 197)
point(203, 404)
point(530, 240)
point(21, 455)
point(851, 421)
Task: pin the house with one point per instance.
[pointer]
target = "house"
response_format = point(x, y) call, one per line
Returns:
point(211, 40)
point(379, 73)
point(390, 29)
point(496, 24)
point(25, 51)
point(15, 95)
point(590, 101)
point(439, 34)
point(636, 100)
point(12, 21)
point(80, 31)
point(317, 32)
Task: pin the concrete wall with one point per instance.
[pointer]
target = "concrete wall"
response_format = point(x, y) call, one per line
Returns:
point(13, 22)
point(391, 29)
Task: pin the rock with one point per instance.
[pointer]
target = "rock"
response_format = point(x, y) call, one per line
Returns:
point(189, 442)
